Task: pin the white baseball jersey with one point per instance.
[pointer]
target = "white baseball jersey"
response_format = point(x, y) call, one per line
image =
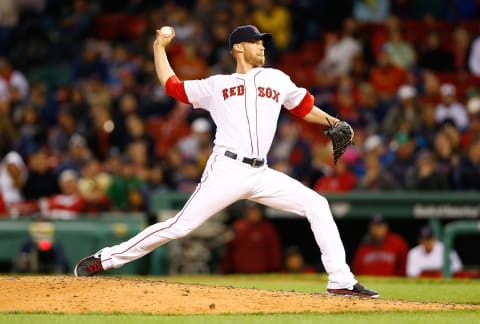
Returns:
point(418, 260)
point(245, 108)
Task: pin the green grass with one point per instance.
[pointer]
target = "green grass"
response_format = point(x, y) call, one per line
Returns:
point(307, 318)
point(448, 291)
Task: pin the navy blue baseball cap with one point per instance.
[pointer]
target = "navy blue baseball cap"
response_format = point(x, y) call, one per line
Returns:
point(247, 33)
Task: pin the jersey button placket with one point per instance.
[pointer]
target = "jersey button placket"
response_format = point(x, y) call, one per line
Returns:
point(252, 113)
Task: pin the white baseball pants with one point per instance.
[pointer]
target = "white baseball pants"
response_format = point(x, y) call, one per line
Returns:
point(226, 181)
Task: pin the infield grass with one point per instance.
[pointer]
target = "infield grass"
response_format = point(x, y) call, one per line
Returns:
point(447, 291)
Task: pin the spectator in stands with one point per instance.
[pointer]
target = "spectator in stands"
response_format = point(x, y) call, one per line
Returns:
point(371, 110)
point(291, 147)
point(201, 133)
point(460, 48)
point(156, 182)
point(188, 64)
point(10, 77)
point(13, 174)
point(255, 247)
point(346, 99)
point(219, 41)
point(68, 203)
point(127, 104)
point(376, 178)
point(77, 22)
point(9, 18)
point(32, 132)
point(434, 57)
point(402, 53)
point(386, 77)
point(137, 152)
point(205, 10)
point(341, 179)
point(8, 131)
point(189, 176)
point(240, 14)
point(381, 252)
point(90, 64)
point(77, 155)
point(125, 187)
point(172, 165)
point(97, 94)
point(405, 114)
point(371, 11)
point(404, 149)
point(93, 186)
point(17, 103)
point(117, 65)
point(473, 108)
point(113, 162)
point(340, 50)
point(60, 135)
point(467, 172)
point(446, 150)
point(99, 136)
point(273, 17)
point(376, 145)
point(431, 88)
point(474, 57)
point(224, 65)
point(428, 128)
point(450, 108)
point(424, 175)
point(44, 101)
point(360, 68)
point(41, 180)
point(295, 261)
point(426, 259)
point(182, 22)
point(136, 132)
point(75, 99)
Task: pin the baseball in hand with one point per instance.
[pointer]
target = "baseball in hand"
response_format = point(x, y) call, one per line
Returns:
point(166, 31)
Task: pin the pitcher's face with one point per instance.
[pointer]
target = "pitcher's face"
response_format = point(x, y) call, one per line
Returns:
point(254, 52)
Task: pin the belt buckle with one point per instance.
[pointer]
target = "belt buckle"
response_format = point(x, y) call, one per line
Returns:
point(254, 162)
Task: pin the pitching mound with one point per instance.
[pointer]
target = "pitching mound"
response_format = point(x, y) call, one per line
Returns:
point(111, 294)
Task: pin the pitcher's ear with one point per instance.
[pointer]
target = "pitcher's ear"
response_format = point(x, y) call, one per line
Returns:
point(238, 47)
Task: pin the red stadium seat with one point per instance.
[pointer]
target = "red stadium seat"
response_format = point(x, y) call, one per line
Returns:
point(111, 26)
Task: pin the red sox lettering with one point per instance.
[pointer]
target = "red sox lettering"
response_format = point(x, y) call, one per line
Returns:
point(262, 92)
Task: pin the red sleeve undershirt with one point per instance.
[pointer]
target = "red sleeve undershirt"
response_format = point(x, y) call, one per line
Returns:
point(176, 89)
point(304, 107)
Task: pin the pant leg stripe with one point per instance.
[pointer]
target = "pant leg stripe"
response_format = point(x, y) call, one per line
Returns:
point(164, 228)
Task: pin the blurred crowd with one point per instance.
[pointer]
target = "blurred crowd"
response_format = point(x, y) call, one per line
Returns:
point(256, 248)
point(85, 127)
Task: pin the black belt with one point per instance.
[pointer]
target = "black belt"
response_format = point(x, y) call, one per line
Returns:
point(254, 162)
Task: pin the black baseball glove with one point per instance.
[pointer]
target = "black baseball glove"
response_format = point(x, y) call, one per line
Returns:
point(341, 134)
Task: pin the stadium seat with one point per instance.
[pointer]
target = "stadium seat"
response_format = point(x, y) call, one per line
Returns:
point(112, 26)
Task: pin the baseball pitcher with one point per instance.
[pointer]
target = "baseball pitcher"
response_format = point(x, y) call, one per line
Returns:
point(245, 107)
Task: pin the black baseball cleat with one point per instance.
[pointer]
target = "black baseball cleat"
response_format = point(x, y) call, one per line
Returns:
point(357, 291)
point(89, 266)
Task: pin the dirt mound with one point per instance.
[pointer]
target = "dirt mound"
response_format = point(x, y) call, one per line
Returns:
point(103, 294)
